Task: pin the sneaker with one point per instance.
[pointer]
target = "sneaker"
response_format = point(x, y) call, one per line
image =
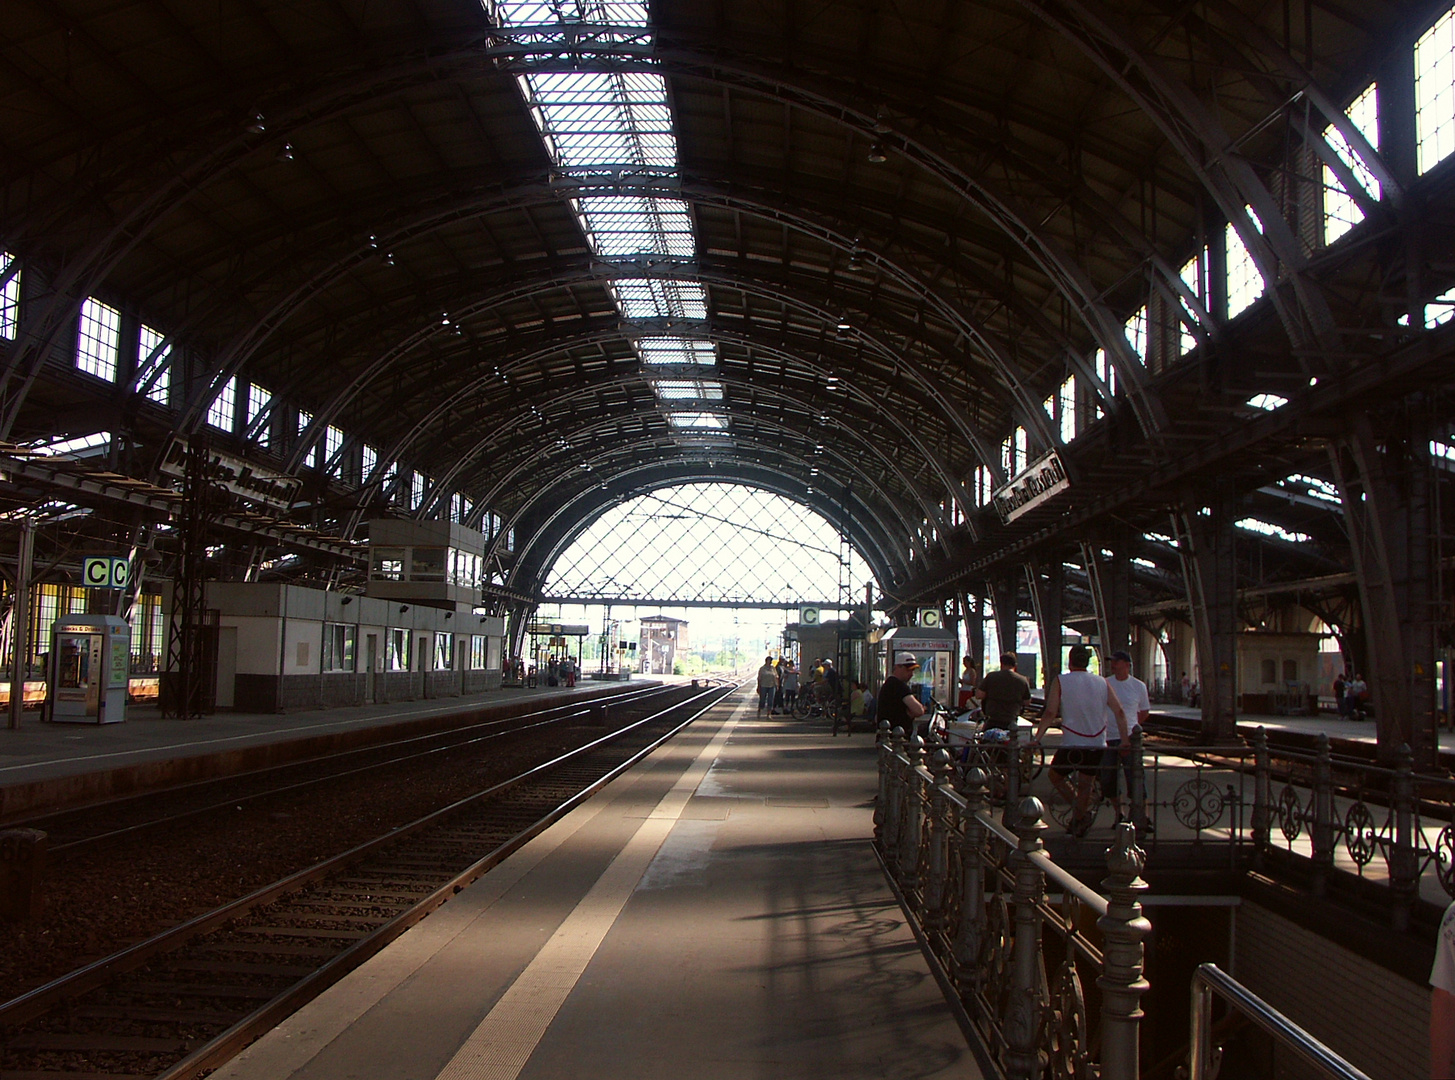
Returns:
point(1082, 825)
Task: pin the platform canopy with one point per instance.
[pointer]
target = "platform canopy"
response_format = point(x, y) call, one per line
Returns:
point(983, 283)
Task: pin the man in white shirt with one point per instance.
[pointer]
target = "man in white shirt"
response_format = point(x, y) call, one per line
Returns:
point(1132, 693)
point(1083, 702)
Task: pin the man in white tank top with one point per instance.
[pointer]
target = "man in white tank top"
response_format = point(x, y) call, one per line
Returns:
point(1081, 700)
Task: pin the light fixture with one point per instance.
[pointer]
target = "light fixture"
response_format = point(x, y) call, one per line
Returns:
point(856, 259)
point(877, 154)
point(844, 323)
point(285, 152)
point(345, 601)
point(449, 614)
point(388, 258)
point(403, 608)
point(881, 127)
point(484, 617)
point(256, 125)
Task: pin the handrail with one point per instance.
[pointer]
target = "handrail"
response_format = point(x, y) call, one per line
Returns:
point(1209, 978)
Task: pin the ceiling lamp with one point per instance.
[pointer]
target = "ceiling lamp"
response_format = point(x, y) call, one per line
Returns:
point(877, 154)
point(285, 152)
point(256, 125)
point(856, 259)
point(844, 323)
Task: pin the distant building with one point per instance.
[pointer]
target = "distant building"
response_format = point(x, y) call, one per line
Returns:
point(662, 636)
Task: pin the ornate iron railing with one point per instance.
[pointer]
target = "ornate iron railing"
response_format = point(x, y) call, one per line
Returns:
point(1018, 962)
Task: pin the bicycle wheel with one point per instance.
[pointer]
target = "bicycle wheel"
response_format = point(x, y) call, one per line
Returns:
point(802, 706)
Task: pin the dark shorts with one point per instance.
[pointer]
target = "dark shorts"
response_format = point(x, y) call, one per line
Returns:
point(1077, 759)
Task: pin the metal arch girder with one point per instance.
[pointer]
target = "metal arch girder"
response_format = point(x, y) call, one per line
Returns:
point(630, 270)
point(537, 193)
point(333, 99)
point(880, 542)
point(490, 498)
point(395, 450)
point(953, 488)
point(1228, 179)
point(1296, 73)
point(906, 526)
point(566, 536)
point(586, 520)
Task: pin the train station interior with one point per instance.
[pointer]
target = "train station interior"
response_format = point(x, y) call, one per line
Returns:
point(419, 418)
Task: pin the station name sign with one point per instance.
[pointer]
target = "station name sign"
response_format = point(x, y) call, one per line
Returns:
point(1043, 478)
point(236, 475)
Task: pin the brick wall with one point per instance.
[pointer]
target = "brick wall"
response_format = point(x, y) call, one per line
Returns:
point(1375, 1018)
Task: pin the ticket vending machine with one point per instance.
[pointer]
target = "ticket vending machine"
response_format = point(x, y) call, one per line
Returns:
point(934, 648)
point(89, 669)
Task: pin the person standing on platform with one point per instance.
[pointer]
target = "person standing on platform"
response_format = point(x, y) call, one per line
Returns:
point(897, 701)
point(1004, 694)
point(1339, 702)
point(1137, 704)
point(767, 683)
point(790, 686)
point(1080, 700)
point(1442, 1001)
point(969, 683)
point(1186, 689)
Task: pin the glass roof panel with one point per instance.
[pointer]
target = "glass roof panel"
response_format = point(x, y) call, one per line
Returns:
point(660, 299)
point(669, 350)
point(706, 420)
point(687, 389)
point(541, 12)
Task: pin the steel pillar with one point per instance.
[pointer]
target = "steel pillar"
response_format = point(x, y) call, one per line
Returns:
point(1048, 588)
point(1005, 592)
point(1384, 477)
point(1206, 545)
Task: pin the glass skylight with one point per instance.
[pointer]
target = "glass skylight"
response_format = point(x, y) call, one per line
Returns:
point(669, 350)
point(697, 420)
point(687, 390)
point(618, 121)
point(1277, 532)
point(656, 298)
point(1316, 487)
point(1267, 402)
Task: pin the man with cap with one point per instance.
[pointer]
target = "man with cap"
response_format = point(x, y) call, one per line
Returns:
point(898, 703)
point(1083, 702)
point(1004, 694)
point(1132, 693)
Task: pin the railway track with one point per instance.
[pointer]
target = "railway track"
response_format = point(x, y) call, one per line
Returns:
point(186, 1000)
point(74, 830)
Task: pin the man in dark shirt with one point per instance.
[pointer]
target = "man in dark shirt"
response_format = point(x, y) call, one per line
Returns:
point(1003, 694)
point(897, 702)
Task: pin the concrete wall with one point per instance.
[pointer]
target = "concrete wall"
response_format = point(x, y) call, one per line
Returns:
point(279, 647)
point(1375, 1018)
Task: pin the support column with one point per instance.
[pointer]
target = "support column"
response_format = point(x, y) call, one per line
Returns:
point(20, 623)
point(1206, 545)
point(975, 629)
point(1384, 478)
point(1116, 584)
point(1048, 587)
point(1006, 594)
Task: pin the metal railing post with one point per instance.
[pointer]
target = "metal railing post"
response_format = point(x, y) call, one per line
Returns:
point(1137, 796)
point(971, 932)
point(933, 910)
point(1262, 796)
point(1404, 866)
point(1199, 1050)
point(912, 815)
point(1123, 929)
point(1025, 1059)
point(886, 763)
point(1321, 835)
point(1012, 775)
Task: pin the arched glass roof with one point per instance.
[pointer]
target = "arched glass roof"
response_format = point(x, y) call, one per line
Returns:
point(718, 543)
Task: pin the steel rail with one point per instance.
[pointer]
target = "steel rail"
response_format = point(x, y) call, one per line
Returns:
point(39, 1000)
point(449, 740)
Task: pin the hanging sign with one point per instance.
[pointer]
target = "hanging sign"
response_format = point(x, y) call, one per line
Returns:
point(1043, 478)
point(105, 572)
point(236, 475)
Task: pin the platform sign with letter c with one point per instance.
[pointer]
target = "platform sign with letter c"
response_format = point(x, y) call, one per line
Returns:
point(105, 572)
point(808, 616)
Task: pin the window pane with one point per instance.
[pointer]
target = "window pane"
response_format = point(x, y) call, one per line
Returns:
point(1191, 274)
point(1341, 212)
point(1245, 283)
point(152, 356)
point(259, 402)
point(310, 459)
point(9, 297)
point(99, 339)
point(223, 410)
point(1435, 93)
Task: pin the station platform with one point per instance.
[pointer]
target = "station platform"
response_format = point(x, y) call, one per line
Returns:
point(49, 765)
point(1332, 724)
point(716, 912)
